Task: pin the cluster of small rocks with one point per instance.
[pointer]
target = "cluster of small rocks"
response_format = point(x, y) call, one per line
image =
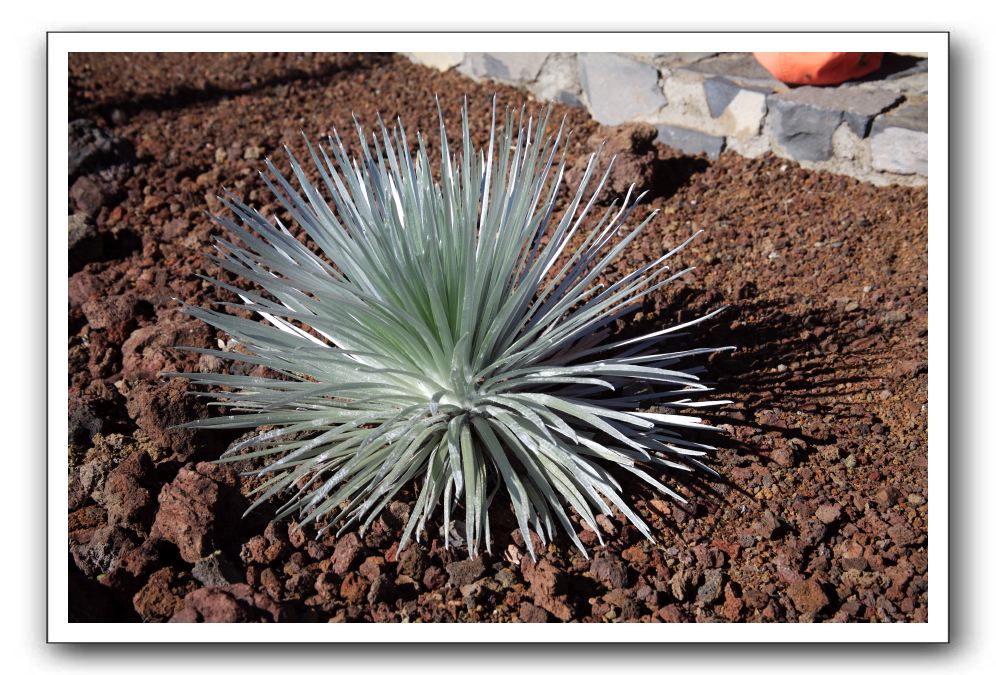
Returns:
point(874, 129)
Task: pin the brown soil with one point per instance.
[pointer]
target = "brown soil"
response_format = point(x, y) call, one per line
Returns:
point(822, 510)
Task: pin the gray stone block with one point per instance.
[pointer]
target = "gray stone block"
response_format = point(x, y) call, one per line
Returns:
point(558, 80)
point(859, 106)
point(899, 140)
point(507, 66)
point(690, 141)
point(911, 115)
point(567, 98)
point(619, 89)
point(738, 67)
point(909, 86)
point(438, 60)
point(719, 91)
point(805, 132)
point(900, 150)
point(678, 59)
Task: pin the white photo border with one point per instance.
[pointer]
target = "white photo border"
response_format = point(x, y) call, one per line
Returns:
point(934, 44)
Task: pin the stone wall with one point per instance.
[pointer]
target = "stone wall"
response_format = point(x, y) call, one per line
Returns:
point(874, 129)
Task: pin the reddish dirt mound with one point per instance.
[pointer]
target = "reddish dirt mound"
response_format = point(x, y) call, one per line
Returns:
point(822, 511)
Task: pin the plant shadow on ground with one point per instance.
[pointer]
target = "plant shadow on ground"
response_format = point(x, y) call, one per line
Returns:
point(765, 336)
point(187, 95)
point(670, 174)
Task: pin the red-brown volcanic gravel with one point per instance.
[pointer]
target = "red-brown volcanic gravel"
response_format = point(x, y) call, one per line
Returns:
point(822, 511)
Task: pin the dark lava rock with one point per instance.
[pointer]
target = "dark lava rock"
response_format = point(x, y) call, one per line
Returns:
point(413, 561)
point(609, 569)
point(269, 582)
point(709, 556)
point(157, 408)
point(149, 350)
point(86, 244)
point(276, 532)
point(92, 475)
point(381, 589)
point(371, 567)
point(733, 605)
point(808, 596)
point(812, 532)
point(354, 588)
point(506, 577)
point(548, 586)
point(672, 614)
point(325, 584)
point(628, 610)
point(530, 613)
point(635, 555)
point(711, 589)
point(87, 518)
point(162, 596)
point(887, 496)
point(199, 510)
point(828, 513)
point(768, 526)
point(681, 585)
point(347, 551)
point(301, 583)
point(127, 494)
point(116, 315)
point(92, 148)
point(100, 552)
point(902, 535)
point(136, 565)
point(237, 603)
point(434, 578)
point(85, 286)
point(93, 412)
point(258, 550)
point(316, 550)
point(464, 572)
point(84, 422)
point(217, 570)
point(296, 536)
point(87, 195)
point(857, 563)
point(783, 455)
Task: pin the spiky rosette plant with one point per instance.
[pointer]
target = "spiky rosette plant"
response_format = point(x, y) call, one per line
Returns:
point(451, 335)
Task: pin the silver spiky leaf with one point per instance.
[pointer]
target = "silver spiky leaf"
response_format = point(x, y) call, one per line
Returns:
point(450, 335)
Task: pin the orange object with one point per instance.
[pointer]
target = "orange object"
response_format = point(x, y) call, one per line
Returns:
point(819, 67)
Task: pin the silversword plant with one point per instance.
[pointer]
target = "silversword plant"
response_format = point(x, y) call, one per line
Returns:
point(450, 335)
